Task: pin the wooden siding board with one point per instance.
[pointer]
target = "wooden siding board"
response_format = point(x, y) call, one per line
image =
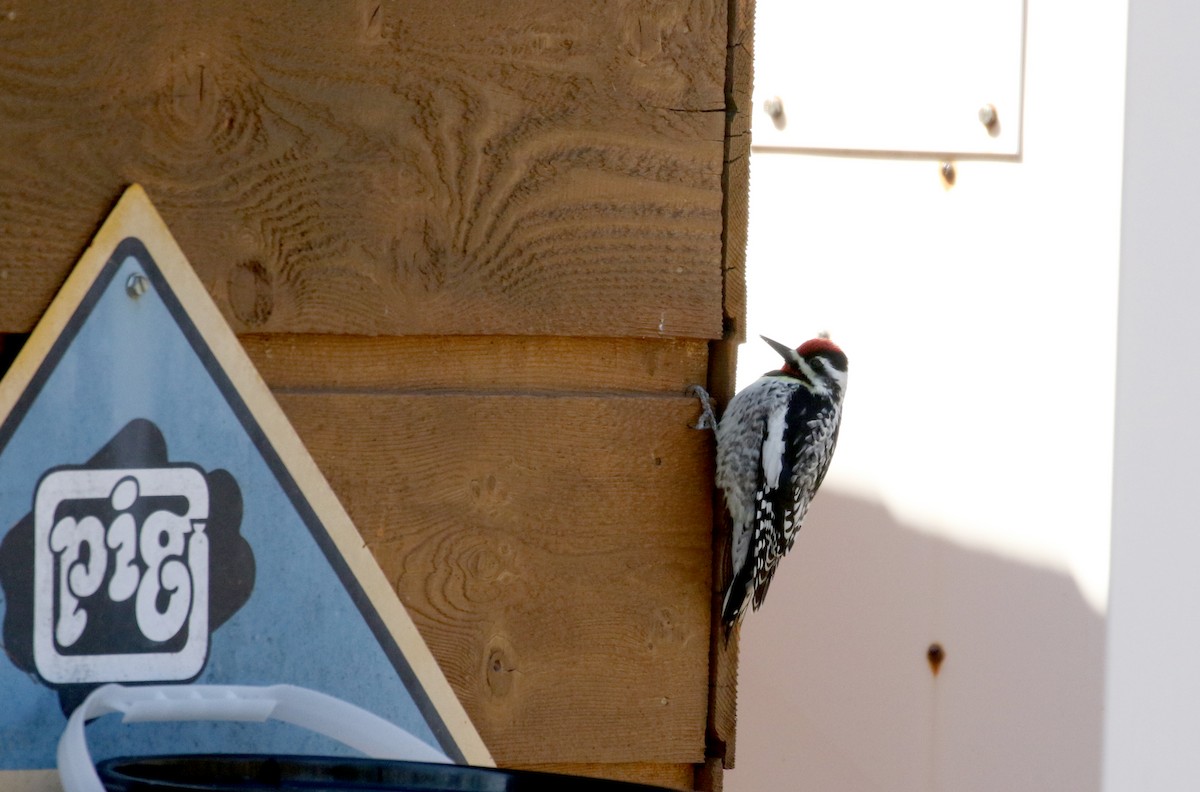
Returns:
point(418, 167)
point(478, 363)
point(739, 85)
point(439, 225)
point(723, 657)
point(552, 551)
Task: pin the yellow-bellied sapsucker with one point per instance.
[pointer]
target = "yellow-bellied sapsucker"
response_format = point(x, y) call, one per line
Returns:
point(774, 443)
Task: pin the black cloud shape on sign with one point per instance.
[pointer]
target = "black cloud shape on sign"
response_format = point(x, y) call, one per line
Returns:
point(140, 444)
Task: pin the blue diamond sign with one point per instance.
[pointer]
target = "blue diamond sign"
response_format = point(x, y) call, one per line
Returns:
point(161, 522)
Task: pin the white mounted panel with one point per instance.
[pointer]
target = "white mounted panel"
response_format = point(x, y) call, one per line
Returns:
point(881, 75)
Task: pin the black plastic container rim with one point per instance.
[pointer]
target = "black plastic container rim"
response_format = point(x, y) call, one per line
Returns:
point(258, 773)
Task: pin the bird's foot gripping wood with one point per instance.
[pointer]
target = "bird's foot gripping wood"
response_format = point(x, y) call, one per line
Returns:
point(708, 418)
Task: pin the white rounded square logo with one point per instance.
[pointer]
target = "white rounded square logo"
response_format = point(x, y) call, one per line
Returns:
point(121, 574)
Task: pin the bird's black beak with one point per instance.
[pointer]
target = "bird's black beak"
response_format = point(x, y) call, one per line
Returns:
point(787, 352)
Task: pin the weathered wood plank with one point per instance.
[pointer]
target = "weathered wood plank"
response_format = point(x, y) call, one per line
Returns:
point(710, 776)
point(723, 656)
point(478, 363)
point(551, 549)
point(739, 86)
point(723, 659)
point(671, 776)
point(405, 167)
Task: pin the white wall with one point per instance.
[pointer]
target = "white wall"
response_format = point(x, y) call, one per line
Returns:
point(969, 501)
point(1153, 718)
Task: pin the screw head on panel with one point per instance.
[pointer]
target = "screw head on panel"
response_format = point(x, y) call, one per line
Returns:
point(949, 174)
point(773, 107)
point(136, 285)
point(990, 119)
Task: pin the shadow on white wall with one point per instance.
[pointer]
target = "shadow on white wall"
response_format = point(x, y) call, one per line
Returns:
point(836, 691)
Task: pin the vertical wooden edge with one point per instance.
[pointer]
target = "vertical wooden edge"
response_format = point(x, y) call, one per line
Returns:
point(735, 177)
point(710, 776)
point(721, 724)
point(721, 728)
point(720, 739)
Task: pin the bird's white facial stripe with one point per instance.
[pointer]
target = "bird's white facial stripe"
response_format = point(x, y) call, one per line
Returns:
point(772, 450)
point(828, 373)
point(816, 382)
point(837, 376)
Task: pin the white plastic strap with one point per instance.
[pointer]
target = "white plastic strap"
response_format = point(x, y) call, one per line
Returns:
point(317, 712)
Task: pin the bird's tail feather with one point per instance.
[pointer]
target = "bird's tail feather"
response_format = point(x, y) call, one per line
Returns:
point(736, 599)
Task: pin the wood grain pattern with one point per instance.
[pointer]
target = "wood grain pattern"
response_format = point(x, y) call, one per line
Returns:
point(739, 86)
point(404, 167)
point(710, 776)
point(477, 363)
point(721, 732)
point(552, 551)
point(477, 250)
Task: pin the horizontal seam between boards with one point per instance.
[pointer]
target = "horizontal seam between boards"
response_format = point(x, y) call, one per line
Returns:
point(542, 393)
